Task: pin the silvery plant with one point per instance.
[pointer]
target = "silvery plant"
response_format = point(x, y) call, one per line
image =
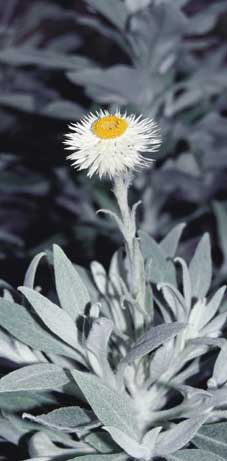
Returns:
point(161, 58)
point(118, 365)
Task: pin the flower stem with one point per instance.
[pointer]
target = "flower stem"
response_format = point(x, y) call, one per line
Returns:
point(135, 259)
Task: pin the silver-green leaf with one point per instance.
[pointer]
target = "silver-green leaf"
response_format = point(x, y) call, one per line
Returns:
point(72, 292)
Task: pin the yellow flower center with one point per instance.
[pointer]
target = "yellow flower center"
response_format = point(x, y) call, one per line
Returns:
point(109, 127)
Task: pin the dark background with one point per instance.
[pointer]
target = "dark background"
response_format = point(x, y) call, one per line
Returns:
point(42, 199)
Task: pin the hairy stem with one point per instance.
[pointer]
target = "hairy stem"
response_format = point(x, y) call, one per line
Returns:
point(135, 259)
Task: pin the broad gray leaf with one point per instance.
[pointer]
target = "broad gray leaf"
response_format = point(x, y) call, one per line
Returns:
point(212, 307)
point(175, 300)
point(200, 268)
point(177, 437)
point(41, 444)
point(71, 290)
point(220, 212)
point(215, 325)
point(194, 455)
point(20, 323)
point(115, 12)
point(55, 318)
point(111, 407)
point(160, 361)
point(100, 276)
point(158, 268)
point(129, 445)
point(101, 441)
point(170, 242)
point(23, 426)
point(20, 401)
point(150, 439)
point(65, 419)
point(153, 338)
point(219, 376)
point(213, 437)
point(97, 346)
point(34, 377)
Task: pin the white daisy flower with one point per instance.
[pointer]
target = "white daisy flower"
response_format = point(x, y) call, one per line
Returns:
point(110, 145)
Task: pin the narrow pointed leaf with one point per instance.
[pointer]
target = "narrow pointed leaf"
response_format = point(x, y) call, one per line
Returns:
point(34, 377)
point(111, 407)
point(219, 376)
point(153, 338)
point(115, 13)
point(170, 243)
point(31, 272)
point(55, 318)
point(200, 268)
point(66, 419)
point(179, 436)
point(19, 322)
point(129, 445)
point(158, 268)
point(212, 306)
point(72, 292)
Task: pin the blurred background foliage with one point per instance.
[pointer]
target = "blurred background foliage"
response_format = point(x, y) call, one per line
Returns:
point(61, 59)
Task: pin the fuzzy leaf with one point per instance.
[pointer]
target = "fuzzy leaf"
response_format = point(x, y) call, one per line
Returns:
point(170, 242)
point(215, 325)
point(158, 268)
point(66, 419)
point(129, 445)
point(219, 376)
point(175, 300)
point(25, 401)
point(161, 360)
point(71, 290)
point(101, 441)
point(97, 345)
point(200, 268)
point(213, 437)
point(153, 338)
point(56, 319)
point(194, 455)
point(220, 212)
point(114, 12)
point(177, 437)
point(41, 443)
point(31, 272)
point(186, 282)
point(34, 377)
point(99, 275)
point(212, 307)
point(111, 407)
point(20, 323)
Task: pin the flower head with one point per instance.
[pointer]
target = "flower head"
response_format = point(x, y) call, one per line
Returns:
point(110, 145)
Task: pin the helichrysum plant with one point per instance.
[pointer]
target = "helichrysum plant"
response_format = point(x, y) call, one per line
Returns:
point(129, 364)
